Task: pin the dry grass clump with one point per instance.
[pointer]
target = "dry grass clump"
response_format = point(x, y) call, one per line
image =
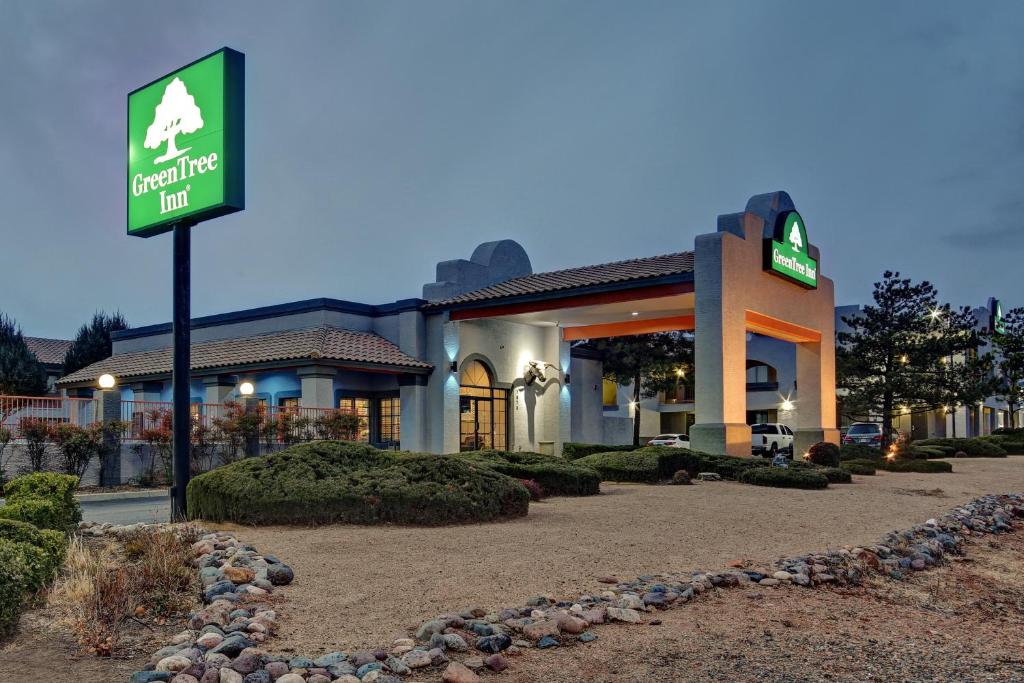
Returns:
point(104, 585)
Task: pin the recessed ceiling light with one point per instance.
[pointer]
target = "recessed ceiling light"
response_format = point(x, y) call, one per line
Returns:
point(635, 313)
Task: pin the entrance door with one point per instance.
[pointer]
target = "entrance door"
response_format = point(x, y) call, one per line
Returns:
point(476, 430)
point(482, 410)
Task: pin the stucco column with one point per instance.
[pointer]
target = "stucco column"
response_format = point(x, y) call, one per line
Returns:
point(449, 407)
point(217, 389)
point(108, 410)
point(720, 353)
point(413, 395)
point(815, 380)
point(317, 386)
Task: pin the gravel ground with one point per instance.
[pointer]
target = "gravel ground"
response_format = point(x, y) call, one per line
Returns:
point(359, 587)
point(961, 622)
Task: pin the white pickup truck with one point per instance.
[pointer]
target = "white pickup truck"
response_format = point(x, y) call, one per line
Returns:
point(771, 438)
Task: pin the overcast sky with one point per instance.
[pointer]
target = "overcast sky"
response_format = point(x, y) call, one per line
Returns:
point(385, 136)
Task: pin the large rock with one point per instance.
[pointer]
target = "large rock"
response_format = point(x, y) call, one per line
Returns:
point(237, 575)
point(459, 673)
point(280, 574)
point(174, 663)
point(629, 616)
point(417, 659)
point(539, 629)
point(230, 676)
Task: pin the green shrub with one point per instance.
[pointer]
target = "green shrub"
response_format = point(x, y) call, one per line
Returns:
point(42, 512)
point(863, 467)
point(785, 477)
point(824, 454)
point(858, 451)
point(575, 451)
point(45, 484)
point(52, 543)
point(921, 466)
point(973, 447)
point(333, 481)
point(1012, 443)
point(636, 466)
point(1009, 431)
point(925, 452)
point(659, 463)
point(556, 476)
point(45, 499)
point(835, 475)
point(15, 579)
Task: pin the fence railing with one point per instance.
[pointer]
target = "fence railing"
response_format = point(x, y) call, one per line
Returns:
point(146, 420)
point(14, 410)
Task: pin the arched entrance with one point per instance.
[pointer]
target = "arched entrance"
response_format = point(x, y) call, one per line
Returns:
point(483, 409)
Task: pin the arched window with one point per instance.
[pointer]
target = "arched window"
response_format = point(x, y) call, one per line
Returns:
point(483, 409)
point(761, 374)
point(475, 374)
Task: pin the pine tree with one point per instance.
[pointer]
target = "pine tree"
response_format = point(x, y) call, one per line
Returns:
point(21, 373)
point(92, 342)
point(1008, 344)
point(650, 362)
point(894, 358)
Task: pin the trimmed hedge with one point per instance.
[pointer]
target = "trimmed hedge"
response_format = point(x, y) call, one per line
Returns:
point(636, 466)
point(920, 466)
point(333, 481)
point(15, 578)
point(575, 451)
point(52, 543)
point(659, 463)
point(556, 476)
point(862, 467)
point(835, 475)
point(1012, 442)
point(974, 447)
point(824, 454)
point(44, 499)
point(785, 477)
point(858, 451)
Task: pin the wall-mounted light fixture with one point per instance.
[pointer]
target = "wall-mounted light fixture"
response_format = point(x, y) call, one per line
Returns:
point(786, 404)
point(567, 378)
point(107, 381)
point(246, 388)
point(454, 366)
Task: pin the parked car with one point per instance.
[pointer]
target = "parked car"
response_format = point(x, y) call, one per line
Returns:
point(868, 434)
point(770, 439)
point(673, 440)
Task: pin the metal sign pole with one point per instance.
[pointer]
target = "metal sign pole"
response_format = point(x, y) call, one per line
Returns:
point(180, 377)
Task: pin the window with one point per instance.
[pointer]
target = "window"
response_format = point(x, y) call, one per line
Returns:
point(483, 410)
point(760, 373)
point(359, 407)
point(609, 393)
point(389, 411)
point(291, 403)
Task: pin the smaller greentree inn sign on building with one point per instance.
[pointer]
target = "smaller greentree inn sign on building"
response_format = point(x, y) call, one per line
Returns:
point(186, 145)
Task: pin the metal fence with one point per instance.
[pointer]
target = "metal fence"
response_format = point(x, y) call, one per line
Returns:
point(18, 411)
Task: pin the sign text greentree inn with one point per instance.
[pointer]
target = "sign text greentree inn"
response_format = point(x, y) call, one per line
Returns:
point(186, 145)
point(786, 252)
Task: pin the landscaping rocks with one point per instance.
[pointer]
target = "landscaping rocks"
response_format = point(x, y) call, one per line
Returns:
point(221, 645)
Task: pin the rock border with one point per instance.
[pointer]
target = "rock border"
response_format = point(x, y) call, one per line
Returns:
point(222, 643)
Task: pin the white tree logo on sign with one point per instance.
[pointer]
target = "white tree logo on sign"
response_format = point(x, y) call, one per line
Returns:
point(794, 236)
point(176, 113)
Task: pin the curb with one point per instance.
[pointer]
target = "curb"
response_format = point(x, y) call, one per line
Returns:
point(121, 496)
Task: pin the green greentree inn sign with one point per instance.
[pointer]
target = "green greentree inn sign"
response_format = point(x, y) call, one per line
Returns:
point(186, 145)
point(785, 254)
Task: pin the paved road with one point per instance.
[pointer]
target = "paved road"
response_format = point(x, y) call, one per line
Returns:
point(127, 511)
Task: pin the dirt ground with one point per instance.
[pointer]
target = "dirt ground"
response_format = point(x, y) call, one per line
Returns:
point(962, 622)
point(359, 587)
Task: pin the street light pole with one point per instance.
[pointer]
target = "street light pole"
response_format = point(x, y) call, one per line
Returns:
point(180, 377)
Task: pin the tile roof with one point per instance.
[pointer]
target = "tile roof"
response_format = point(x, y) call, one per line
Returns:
point(317, 343)
point(572, 278)
point(49, 351)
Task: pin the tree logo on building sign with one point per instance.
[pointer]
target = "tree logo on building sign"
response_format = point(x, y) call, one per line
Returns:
point(176, 113)
point(794, 236)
